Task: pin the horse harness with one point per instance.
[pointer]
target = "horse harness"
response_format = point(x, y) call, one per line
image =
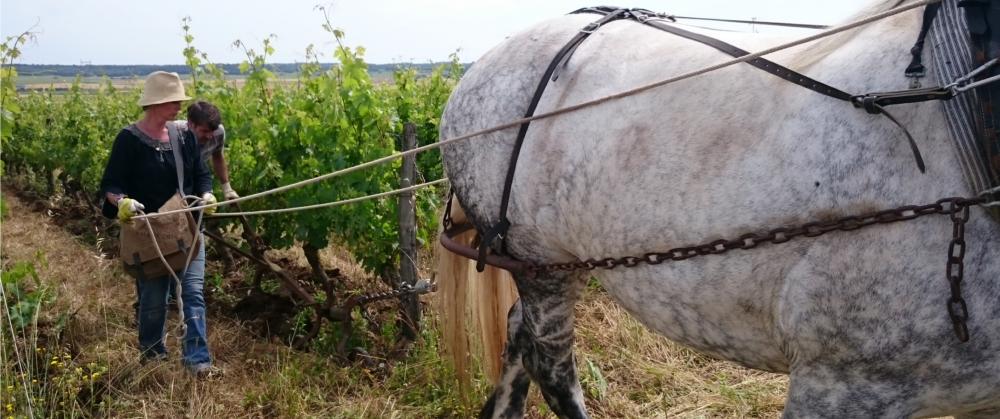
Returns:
point(957, 208)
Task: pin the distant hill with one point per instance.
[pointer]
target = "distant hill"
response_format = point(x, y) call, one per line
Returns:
point(126, 71)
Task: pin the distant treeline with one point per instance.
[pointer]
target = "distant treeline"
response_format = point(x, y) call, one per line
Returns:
point(119, 71)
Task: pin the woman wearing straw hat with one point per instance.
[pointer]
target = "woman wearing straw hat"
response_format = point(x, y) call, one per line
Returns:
point(141, 174)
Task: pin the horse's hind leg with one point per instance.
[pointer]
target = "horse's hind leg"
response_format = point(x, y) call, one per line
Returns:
point(547, 317)
point(507, 400)
point(541, 344)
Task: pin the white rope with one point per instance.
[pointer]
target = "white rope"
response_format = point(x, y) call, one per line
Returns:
point(177, 281)
point(338, 203)
point(568, 109)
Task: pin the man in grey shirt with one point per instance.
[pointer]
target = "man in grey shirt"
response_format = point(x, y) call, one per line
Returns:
point(205, 122)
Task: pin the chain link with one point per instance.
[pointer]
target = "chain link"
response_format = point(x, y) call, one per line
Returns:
point(957, 310)
point(421, 287)
point(957, 208)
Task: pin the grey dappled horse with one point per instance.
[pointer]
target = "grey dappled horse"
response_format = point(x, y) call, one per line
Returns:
point(857, 319)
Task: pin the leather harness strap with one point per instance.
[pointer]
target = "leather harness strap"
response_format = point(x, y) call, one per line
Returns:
point(499, 230)
point(873, 103)
point(916, 67)
point(654, 19)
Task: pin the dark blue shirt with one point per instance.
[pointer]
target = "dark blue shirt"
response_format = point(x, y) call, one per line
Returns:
point(146, 173)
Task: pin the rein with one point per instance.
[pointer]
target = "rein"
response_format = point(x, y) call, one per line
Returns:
point(753, 22)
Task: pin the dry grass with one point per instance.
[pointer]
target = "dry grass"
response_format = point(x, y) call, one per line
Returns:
point(626, 370)
point(650, 376)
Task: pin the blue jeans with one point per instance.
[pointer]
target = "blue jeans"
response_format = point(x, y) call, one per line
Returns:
point(153, 313)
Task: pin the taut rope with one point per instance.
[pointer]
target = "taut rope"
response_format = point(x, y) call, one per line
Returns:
point(560, 111)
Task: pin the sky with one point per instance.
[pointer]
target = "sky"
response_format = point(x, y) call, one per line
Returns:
point(391, 31)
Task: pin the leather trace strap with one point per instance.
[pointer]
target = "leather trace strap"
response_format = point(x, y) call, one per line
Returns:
point(875, 103)
point(657, 20)
point(916, 68)
point(499, 230)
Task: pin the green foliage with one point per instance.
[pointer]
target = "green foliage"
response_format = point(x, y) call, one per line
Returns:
point(4, 209)
point(40, 379)
point(593, 381)
point(278, 133)
point(24, 292)
point(9, 108)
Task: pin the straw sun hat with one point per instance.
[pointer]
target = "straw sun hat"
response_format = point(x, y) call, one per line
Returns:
point(162, 87)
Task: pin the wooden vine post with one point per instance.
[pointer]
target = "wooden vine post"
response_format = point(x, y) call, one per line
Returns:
point(410, 312)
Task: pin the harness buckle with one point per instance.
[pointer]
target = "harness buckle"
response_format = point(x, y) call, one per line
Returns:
point(868, 102)
point(591, 27)
point(498, 231)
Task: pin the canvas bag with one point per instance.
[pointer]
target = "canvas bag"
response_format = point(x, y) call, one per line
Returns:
point(176, 234)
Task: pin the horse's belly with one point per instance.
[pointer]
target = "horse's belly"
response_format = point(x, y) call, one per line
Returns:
point(710, 306)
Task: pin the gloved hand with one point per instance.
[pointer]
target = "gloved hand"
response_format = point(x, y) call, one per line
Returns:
point(208, 199)
point(228, 192)
point(128, 208)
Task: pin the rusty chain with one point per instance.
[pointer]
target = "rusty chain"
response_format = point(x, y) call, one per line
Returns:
point(421, 287)
point(957, 208)
point(775, 236)
point(957, 309)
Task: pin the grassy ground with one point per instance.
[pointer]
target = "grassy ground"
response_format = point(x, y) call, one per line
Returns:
point(81, 358)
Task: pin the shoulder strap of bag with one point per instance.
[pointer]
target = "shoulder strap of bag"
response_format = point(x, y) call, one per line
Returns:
point(175, 143)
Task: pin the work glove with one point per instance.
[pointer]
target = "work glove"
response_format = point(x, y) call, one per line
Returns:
point(208, 199)
point(228, 192)
point(128, 208)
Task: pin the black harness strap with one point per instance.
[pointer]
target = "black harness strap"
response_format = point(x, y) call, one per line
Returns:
point(871, 103)
point(916, 67)
point(499, 230)
point(654, 19)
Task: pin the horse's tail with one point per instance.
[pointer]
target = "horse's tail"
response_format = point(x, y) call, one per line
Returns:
point(491, 292)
